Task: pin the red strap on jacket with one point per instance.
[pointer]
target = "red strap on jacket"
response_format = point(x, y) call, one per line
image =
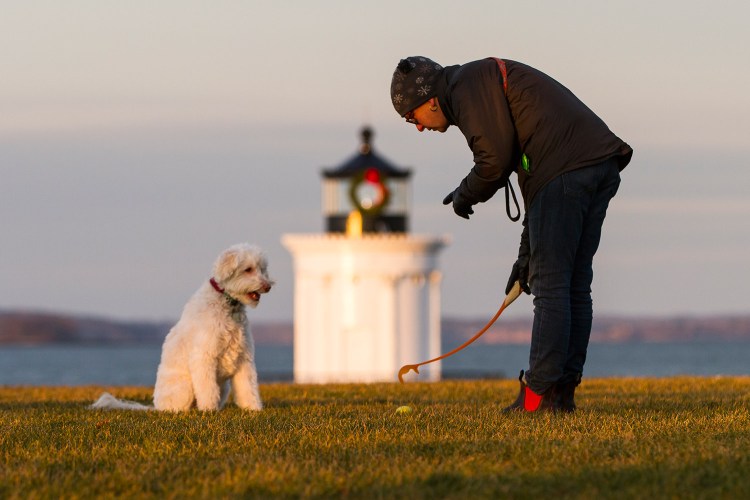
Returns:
point(508, 186)
point(504, 72)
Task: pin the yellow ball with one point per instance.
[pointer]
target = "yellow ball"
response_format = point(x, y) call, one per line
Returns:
point(404, 409)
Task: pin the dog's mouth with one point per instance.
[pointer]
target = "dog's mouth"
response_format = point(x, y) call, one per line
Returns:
point(254, 296)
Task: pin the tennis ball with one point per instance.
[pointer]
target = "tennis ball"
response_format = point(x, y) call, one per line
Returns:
point(404, 409)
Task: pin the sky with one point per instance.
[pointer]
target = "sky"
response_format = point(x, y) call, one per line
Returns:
point(139, 139)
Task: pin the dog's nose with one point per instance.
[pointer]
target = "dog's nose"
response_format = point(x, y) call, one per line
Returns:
point(267, 286)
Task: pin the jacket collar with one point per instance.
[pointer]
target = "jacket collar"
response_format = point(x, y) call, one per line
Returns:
point(443, 92)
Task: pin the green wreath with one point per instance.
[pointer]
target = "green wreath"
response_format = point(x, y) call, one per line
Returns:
point(373, 180)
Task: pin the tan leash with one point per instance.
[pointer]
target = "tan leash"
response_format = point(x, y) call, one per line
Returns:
point(512, 295)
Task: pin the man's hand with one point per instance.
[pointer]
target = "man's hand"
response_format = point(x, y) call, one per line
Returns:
point(520, 273)
point(461, 205)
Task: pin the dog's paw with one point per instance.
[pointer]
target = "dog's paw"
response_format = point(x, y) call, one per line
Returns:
point(211, 404)
point(252, 406)
point(208, 408)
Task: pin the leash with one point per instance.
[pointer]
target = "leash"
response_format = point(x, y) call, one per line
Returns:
point(512, 295)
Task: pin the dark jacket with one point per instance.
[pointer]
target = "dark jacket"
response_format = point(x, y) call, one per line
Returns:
point(539, 118)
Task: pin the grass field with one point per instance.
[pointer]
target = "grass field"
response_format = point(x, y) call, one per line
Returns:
point(631, 438)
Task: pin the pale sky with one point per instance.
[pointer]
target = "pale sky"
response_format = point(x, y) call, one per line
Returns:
point(139, 139)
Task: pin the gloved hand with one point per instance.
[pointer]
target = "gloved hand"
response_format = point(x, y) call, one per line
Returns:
point(520, 271)
point(461, 204)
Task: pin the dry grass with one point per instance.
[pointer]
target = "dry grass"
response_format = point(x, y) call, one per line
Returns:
point(632, 438)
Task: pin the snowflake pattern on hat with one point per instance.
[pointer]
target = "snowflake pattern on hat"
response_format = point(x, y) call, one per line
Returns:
point(413, 83)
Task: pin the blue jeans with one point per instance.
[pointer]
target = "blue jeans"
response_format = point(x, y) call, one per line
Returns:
point(565, 224)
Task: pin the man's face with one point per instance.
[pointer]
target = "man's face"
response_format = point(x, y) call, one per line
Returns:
point(423, 118)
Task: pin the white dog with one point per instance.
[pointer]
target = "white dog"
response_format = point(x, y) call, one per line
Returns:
point(211, 344)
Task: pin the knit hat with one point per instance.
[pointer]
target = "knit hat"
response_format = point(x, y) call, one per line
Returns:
point(414, 83)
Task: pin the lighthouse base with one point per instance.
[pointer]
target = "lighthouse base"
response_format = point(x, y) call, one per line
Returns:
point(365, 306)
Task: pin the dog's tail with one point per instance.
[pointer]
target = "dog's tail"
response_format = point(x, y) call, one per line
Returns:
point(108, 402)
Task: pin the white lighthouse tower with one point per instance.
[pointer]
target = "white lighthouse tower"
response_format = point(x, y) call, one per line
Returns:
point(366, 293)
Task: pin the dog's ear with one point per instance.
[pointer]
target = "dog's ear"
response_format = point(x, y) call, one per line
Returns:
point(226, 265)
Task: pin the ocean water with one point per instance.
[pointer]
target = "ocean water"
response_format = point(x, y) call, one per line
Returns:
point(136, 365)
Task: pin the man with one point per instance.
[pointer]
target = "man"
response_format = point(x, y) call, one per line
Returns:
point(517, 119)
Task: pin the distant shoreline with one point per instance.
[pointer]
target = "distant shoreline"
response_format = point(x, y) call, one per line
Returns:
point(31, 328)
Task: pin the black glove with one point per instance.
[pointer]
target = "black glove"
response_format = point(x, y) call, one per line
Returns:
point(461, 204)
point(520, 271)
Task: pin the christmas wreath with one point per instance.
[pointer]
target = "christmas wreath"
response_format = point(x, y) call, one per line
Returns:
point(368, 192)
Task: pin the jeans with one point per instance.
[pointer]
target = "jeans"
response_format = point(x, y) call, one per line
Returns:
point(565, 223)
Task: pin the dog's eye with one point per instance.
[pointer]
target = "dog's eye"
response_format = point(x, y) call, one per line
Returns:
point(249, 270)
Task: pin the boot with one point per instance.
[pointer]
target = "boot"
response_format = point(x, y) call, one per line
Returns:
point(518, 403)
point(528, 400)
point(566, 393)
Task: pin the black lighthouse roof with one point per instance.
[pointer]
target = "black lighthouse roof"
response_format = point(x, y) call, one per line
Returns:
point(366, 159)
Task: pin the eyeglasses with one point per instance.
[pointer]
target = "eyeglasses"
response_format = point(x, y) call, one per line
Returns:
point(409, 117)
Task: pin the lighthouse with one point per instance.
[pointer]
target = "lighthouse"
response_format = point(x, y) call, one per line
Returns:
point(366, 291)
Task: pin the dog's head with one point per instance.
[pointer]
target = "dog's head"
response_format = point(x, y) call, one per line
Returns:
point(242, 271)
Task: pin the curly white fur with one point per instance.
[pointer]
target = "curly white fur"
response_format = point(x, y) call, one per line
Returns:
point(211, 345)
